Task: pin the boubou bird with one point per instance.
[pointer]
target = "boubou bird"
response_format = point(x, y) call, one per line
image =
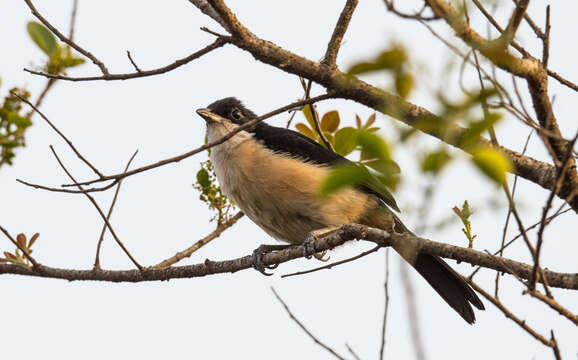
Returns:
point(274, 174)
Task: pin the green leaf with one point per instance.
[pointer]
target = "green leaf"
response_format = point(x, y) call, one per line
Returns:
point(330, 121)
point(435, 161)
point(305, 130)
point(20, 121)
point(388, 172)
point(341, 177)
point(374, 145)
point(494, 163)
point(203, 178)
point(345, 140)
point(472, 134)
point(389, 59)
point(403, 83)
point(384, 167)
point(42, 37)
point(72, 62)
point(370, 121)
point(309, 115)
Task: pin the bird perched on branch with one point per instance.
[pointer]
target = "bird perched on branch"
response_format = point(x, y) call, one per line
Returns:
point(273, 174)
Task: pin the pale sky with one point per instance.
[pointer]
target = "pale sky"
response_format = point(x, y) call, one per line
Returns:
point(158, 213)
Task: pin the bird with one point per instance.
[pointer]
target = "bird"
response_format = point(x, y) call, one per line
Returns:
point(273, 175)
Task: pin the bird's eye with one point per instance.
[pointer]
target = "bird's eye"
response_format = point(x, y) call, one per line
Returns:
point(236, 114)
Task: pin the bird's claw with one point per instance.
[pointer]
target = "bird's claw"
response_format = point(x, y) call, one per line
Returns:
point(321, 256)
point(258, 258)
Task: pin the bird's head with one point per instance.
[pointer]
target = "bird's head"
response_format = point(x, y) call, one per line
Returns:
point(223, 116)
point(228, 109)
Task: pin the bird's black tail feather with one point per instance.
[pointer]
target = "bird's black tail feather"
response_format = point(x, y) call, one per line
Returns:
point(451, 287)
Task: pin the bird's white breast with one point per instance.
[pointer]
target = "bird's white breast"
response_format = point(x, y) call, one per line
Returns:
point(278, 192)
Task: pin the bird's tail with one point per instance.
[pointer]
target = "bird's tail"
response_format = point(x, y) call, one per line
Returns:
point(448, 283)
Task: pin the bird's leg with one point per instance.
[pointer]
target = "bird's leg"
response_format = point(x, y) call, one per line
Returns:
point(258, 257)
point(308, 246)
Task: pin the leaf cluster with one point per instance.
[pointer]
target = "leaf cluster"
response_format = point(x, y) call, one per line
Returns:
point(60, 57)
point(17, 257)
point(464, 214)
point(211, 193)
point(12, 125)
point(375, 168)
point(393, 60)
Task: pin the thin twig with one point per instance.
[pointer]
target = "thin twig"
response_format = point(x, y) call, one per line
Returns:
point(318, 128)
point(508, 216)
point(531, 23)
point(330, 57)
point(558, 183)
point(92, 167)
point(554, 305)
point(197, 245)
point(66, 40)
point(329, 266)
point(211, 144)
point(353, 353)
point(386, 306)
point(47, 87)
point(546, 40)
point(138, 70)
point(412, 312)
point(536, 224)
point(102, 232)
point(177, 63)
point(317, 341)
point(509, 314)
point(417, 16)
point(73, 19)
point(98, 209)
point(514, 22)
point(55, 189)
point(555, 347)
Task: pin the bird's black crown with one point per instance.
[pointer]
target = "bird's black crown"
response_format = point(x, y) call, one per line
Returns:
point(233, 109)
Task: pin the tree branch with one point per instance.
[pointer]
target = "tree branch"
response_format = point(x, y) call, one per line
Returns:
point(98, 209)
point(294, 318)
point(220, 41)
point(198, 244)
point(66, 40)
point(178, 158)
point(330, 57)
point(335, 239)
point(109, 214)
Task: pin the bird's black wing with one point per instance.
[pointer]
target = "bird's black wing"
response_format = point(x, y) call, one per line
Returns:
point(298, 145)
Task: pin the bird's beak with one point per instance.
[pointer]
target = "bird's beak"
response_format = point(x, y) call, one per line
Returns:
point(209, 116)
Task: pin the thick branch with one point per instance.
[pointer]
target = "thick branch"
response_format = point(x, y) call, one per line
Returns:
point(208, 10)
point(352, 88)
point(340, 28)
point(335, 239)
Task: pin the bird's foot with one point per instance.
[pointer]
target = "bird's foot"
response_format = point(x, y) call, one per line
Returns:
point(258, 257)
point(309, 246)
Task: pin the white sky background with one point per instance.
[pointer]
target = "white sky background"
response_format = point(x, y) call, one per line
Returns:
point(158, 213)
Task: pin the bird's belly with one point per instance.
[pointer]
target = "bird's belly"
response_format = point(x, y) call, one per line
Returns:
point(280, 194)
